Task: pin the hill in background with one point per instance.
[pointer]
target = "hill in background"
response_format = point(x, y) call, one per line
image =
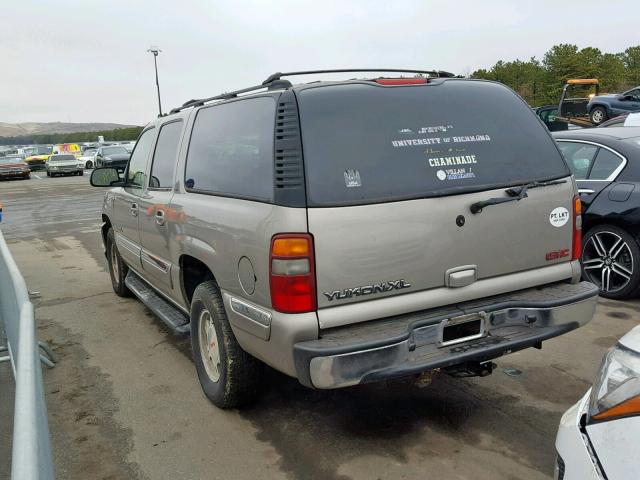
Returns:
point(36, 128)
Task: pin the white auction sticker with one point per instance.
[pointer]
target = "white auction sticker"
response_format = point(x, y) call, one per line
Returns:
point(559, 216)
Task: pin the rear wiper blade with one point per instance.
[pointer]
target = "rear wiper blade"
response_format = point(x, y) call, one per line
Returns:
point(515, 195)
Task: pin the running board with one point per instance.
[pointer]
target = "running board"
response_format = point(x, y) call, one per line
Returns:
point(177, 320)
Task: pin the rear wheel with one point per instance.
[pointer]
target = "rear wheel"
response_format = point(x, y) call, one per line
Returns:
point(89, 164)
point(117, 268)
point(229, 376)
point(598, 115)
point(81, 173)
point(610, 259)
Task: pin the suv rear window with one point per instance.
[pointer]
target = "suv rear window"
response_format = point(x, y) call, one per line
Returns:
point(366, 143)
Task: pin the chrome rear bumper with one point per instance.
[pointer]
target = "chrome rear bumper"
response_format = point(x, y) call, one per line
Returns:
point(413, 343)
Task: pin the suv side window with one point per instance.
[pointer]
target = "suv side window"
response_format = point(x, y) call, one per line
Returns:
point(578, 157)
point(164, 157)
point(635, 94)
point(138, 161)
point(605, 164)
point(231, 150)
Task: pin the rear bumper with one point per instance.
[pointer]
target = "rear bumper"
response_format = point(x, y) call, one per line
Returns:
point(5, 175)
point(411, 344)
point(37, 165)
point(62, 170)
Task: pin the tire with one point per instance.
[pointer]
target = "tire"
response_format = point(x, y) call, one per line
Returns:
point(236, 379)
point(48, 173)
point(598, 115)
point(611, 260)
point(88, 165)
point(81, 173)
point(117, 268)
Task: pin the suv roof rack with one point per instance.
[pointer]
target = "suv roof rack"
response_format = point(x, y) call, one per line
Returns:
point(436, 73)
point(275, 81)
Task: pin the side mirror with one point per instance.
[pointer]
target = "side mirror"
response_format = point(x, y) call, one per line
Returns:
point(623, 98)
point(106, 177)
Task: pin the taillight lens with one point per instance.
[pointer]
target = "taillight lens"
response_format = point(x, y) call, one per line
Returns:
point(292, 277)
point(577, 228)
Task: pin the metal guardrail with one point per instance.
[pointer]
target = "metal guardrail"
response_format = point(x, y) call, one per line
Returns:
point(31, 448)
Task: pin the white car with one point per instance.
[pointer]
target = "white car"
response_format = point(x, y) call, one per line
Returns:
point(88, 157)
point(599, 437)
point(64, 164)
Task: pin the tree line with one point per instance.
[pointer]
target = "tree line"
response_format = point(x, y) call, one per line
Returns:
point(118, 134)
point(540, 82)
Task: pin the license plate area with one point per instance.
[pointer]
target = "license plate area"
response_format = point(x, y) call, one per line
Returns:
point(462, 329)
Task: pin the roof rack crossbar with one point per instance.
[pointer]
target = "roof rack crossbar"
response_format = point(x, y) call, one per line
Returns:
point(437, 73)
point(277, 76)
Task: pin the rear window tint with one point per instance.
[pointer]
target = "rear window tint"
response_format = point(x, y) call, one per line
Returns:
point(366, 144)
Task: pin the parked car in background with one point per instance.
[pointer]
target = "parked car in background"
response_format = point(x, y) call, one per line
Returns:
point(606, 165)
point(39, 156)
point(330, 263)
point(128, 146)
point(64, 164)
point(71, 148)
point(88, 156)
point(603, 107)
point(89, 146)
point(599, 437)
point(115, 156)
point(614, 122)
point(13, 167)
point(548, 115)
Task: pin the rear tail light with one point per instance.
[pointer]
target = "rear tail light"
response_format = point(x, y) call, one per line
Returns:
point(401, 81)
point(292, 276)
point(577, 228)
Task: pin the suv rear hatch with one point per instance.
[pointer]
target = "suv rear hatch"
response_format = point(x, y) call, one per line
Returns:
point(392, 172)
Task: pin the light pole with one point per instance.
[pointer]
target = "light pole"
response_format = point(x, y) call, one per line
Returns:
point(155, 50)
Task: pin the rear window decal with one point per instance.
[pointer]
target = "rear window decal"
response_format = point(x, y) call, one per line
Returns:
point(455, 174)
point(413, 142)
point(452, 160)
point(352, 178)
point(435, 129)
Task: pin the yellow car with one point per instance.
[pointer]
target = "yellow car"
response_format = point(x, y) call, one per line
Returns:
point(38, 159)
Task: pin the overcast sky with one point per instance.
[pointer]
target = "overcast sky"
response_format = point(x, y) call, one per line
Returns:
point(86, 61)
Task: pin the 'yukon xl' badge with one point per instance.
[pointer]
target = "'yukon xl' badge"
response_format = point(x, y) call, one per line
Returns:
point(366, 290)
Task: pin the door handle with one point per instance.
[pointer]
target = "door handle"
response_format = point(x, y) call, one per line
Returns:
point(134, 209)
point(160, 217)
point(586, 191)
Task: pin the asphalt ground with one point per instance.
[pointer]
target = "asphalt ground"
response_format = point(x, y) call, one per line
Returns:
point(124, 400)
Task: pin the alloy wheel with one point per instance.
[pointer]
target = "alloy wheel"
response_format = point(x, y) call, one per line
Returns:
point(607, 261)
point(209, 348)
point(113, 257)
point(597, 116)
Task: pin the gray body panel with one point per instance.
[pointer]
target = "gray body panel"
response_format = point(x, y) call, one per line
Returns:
point(155, 237)
point(419, 241)
point(125, 221)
